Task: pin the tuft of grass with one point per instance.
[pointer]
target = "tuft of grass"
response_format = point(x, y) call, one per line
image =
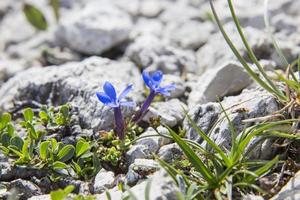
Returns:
point(224, 172)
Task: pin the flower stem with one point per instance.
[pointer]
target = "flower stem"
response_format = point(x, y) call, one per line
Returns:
point(141, 113)
point(119, 122)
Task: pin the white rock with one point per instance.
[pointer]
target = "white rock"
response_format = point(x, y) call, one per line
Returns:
point(94, 29)
point(249, 104)
point(170, 112)
point(149, 51)
point(162, 187)
point(228, 79)
point(75, 83)
point(291, 190)
point(189, 34)
point(103, 180)
point(137, 151)
point(170, 152)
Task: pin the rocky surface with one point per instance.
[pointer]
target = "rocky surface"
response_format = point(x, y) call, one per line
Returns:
point(102, 40)
point(75, 83)
point(251, 103)
point(290, 190)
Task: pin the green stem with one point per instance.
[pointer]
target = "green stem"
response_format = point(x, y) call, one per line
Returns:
point(249, 50)
point(241, 59)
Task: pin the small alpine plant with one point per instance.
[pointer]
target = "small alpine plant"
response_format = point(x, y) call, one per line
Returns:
point(109, 98)
point(153, 82)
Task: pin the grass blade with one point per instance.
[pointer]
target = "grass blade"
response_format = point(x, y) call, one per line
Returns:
point(209, 141)
point(193, 158)
point(241, 59)
point(249, 50)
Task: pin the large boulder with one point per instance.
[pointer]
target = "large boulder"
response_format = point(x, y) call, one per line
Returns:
point(95, 28)
point(249, 104)
point(74, 83)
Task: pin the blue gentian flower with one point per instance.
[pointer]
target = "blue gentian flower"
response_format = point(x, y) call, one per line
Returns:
point(153, 82)
point(109, 98)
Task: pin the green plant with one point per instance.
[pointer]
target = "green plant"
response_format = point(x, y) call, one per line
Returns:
point(219, 172)
point(86, 164)
point(36, 17)
point(61, 194)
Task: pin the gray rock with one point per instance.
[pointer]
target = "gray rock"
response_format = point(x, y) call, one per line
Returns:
point(205, 116)
point(151, 8)
point(155, 142)
point(10, 172)
point(75, 83)
point(140, 169)
point(178, 82)
point(144, 167)
point(252, 197)
point(138, 151)
point(249, 104)
point(152, 143)
point(162, 188)
point(145, 26)
point(291, 191)
point(96, 28)
point(285, 23)
point(25, 189)
point(170, 152)
point(104, 180)
point(175, 11)
point(228, 79)
point(189, 34)
point(170, 112)
point(41, 197)
point(149, 51)
point(210, 57)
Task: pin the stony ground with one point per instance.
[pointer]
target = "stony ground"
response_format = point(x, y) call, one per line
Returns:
point(103, 40)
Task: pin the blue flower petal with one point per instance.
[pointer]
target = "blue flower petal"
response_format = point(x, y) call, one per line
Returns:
point(125, 92)
point(103, 98)
point(147, 79)
point(128, 103)
point(163, 91)
point(166, 89)
point(170, 87)
point(110, 91)
point(157, 76)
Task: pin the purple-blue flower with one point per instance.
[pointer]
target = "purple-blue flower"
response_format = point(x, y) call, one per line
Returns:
point(153, 82)
point(109, 98)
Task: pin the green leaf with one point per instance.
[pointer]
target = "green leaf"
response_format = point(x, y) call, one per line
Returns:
point(28, 114)
point(18, 142)
point(55, 6)
point(61, 194)
point(25, 148)
point(209, 141)
point(44, 149)
point(44, 116)
point(35, 17)
point(32, 133)
point(4, 149)
point(260, 171)
point(10, 129)
point(81, 147)
point(193, 158)
point(15, 151)
point(66, 153)
point(147, 189)
point(5, 139)
point(76, 167)
point(69, 189)
point(96, 164)
point(5, 119)
point(59, 165)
